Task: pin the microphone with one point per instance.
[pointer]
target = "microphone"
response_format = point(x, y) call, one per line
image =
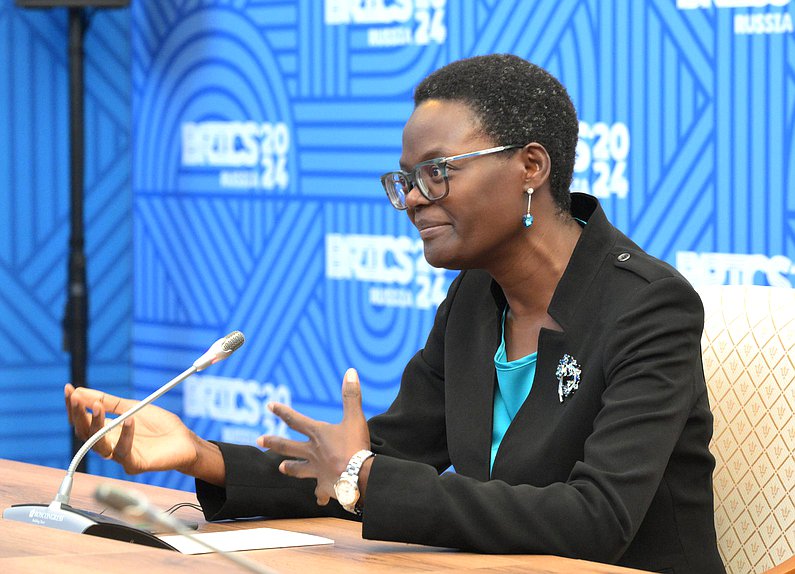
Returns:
point(58, 514)
point(219, 350)
point(136, 505)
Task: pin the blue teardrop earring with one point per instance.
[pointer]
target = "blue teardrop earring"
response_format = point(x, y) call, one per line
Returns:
point(527, 219)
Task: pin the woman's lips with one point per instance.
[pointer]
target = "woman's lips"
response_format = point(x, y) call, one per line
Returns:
point(432, 229)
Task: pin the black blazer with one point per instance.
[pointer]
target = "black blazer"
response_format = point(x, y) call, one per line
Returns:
point(617, 472)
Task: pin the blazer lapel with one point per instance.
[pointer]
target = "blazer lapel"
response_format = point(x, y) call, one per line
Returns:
point(469, 361)
point(542, 405)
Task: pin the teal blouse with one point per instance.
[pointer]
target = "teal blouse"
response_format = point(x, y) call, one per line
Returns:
point(514, 381)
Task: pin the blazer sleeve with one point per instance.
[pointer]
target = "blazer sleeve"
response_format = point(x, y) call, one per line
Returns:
point(412, 428)
point(652, 374)
point(255, 487)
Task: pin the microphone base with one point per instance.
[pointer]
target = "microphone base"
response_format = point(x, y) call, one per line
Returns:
point(83, 522)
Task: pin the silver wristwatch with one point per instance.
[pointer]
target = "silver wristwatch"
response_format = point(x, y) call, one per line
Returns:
point(346, 489)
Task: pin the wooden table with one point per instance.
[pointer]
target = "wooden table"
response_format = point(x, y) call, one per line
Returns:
point(33, 549)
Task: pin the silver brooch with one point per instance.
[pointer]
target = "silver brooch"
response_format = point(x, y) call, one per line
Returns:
point(568, 373)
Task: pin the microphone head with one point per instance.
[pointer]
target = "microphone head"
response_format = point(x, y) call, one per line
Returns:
point(220, 350)
point(124, 501)
point(233, 341)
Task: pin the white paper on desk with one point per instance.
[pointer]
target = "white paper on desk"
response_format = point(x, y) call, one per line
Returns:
point(244, 539)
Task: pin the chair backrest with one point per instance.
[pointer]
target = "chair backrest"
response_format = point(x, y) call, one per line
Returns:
point(748, 349)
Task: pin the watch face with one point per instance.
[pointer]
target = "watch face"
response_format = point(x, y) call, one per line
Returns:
point(346, 491)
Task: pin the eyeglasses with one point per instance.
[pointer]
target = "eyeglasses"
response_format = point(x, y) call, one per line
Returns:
point(429, 177)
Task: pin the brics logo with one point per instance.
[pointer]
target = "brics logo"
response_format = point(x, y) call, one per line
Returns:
point(693, 4)
point(246, 154)
point(735, 269)
point(601, 165)
point(237, 406)
point(392, 22)
point(394, 267)
point(771, 22)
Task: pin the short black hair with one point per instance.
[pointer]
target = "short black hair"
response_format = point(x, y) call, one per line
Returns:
point(516, 102)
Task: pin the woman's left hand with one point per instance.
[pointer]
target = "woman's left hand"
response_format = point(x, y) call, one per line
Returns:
point(329, 448)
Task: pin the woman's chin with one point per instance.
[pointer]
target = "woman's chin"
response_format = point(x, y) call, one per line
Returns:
point(439, 258)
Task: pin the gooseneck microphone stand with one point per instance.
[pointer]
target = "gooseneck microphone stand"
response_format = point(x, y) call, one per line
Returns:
point(61, 515)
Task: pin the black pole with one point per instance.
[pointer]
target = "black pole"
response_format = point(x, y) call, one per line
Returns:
point(75, 321)
point(76, 315)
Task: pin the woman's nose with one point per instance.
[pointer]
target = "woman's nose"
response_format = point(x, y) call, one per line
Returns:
point(414, 198)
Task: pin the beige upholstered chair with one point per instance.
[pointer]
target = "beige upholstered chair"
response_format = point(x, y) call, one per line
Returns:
point(749, 361)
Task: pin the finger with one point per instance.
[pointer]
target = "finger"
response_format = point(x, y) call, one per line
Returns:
point(121, 453)
point(351, 396)
point(293, 418)
point(67, 395)
point(116, 405)
point(297, 469)
point(85, 397)
point(102, 446)
point(322, 497)
point(97, 417)
point(111, 403)
point(284, 446)
point(79, 417)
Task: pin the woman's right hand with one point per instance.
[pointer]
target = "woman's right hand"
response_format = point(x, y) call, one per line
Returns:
point(154, 439)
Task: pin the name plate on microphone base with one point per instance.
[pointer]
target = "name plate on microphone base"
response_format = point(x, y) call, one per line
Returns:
point(82, 521)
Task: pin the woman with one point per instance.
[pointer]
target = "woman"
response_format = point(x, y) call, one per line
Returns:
point(562, 378)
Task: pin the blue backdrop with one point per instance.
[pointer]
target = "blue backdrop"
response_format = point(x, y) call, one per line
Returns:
point(34, 223)
point(234, 156)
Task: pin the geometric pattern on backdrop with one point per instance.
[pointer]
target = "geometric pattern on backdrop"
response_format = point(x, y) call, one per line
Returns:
point(261, 129)
point(34, 223)
point(688, 112)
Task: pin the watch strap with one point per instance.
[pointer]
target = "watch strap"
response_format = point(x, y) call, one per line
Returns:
point(351, 472)
point(356, 462)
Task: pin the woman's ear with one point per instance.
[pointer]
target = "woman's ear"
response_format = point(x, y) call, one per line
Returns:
point(537, 165)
